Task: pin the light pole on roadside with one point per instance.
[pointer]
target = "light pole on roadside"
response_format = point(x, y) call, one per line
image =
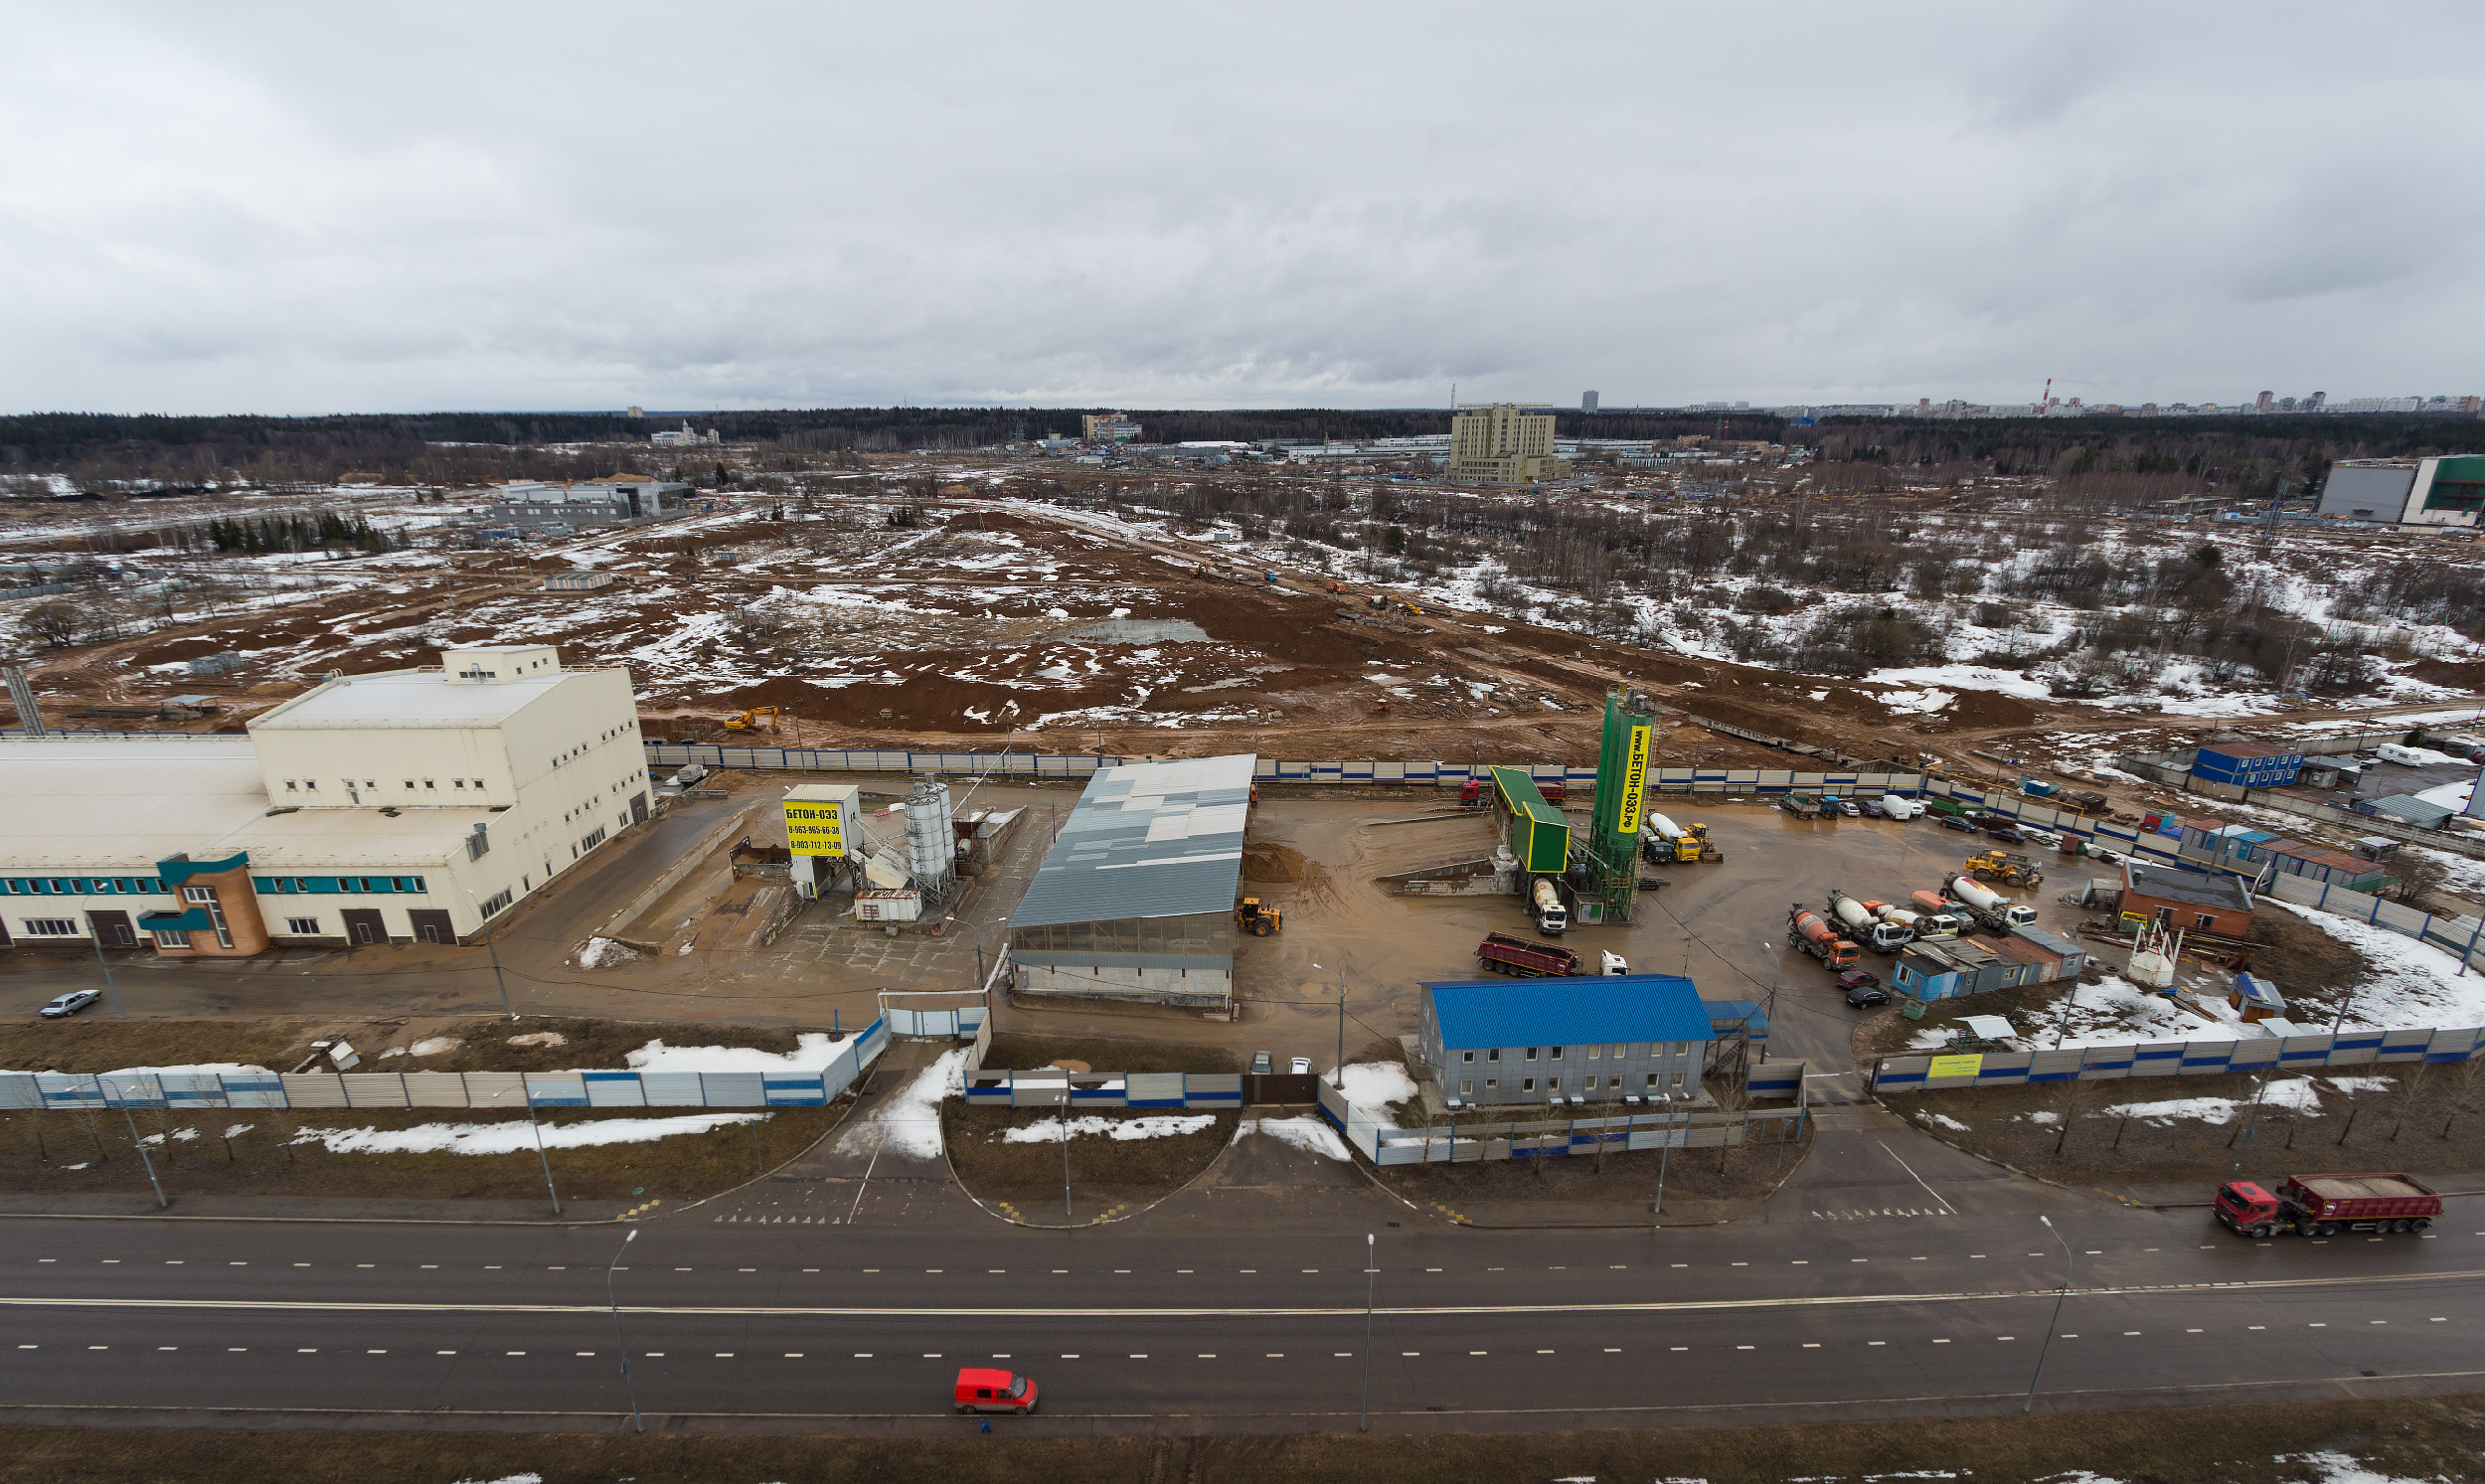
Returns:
point(637, 1422)
point(1371, 1288)
point(1338, 1077)
point(529, 1100)
point(118, 1007)
point(493, 948)
point(161, 1200)
point(2053, 1323)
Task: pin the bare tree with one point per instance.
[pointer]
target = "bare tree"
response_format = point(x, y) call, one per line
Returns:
point(2465, 1093)
point(56, 624)
point(2413, 1081)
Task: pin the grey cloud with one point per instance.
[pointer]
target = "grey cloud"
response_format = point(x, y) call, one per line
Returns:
point(302, 209)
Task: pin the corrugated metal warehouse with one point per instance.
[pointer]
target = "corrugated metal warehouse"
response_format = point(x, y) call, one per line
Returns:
point(1136, 900)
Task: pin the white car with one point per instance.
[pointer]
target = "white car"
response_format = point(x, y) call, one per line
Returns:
point(1299, 1066)
point(70, 1003)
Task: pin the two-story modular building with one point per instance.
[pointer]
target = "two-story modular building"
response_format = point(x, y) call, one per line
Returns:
point(1628, 1038)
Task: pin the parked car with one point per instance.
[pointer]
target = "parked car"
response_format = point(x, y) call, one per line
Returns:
point(1963, 825)
point(1299, 1066)
point(2008, 834)
point(982, 1390)
point(1872, 808)
point(70, 1003)
point(1859, 978)
point(1865, 996)
point(1262, 1063)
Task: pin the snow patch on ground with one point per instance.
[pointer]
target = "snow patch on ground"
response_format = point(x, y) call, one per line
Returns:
point(2406, 983)
point(432, 1046)
point(540, 1037)
point(222, 1069)
point(513, 1136)
point(1965, 678)
point(2115, 1011)
point(2339, 1469)
point(606, 954)
point(908, 1123)
point(1312, 1135)
point(1940, 1122)
point(812, 1052)
point(1372, 1087)
point(1163, 1127)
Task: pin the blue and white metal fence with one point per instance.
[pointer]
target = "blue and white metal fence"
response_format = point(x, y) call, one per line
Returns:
point(1117, 1090)
point(445, 1090)
point(1486, 1139)
point(1914, 1073)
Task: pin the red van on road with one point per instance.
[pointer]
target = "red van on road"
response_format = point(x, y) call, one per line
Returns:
point(994, 1391)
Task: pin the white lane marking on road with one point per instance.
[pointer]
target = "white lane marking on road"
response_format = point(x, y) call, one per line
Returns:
point(792, 1355)
point(1411, 1352)
point(862, 1354)
point(1745, 1347)
point(1265, 1311)
point(1876, 1342)
point(1276, 1355)
point(2255, 1326)
point(116, 1261)
point(1206, 1355)
point(430, 1264)
point(301, 1265)
point(487, 1267)
point(1544, 1352)
point(445, 1352)
point(2006, 1337)
point(2191, 1332)
point(1808, 1345)
point(367, 1352)
point(26, 1347)
point(513, 1352)
point(750, 1269)
point(2381, 1321)
point(2129, 1332)
point(2316, 1324)
point(1942, 1342)
point(172, 1262)
point(1061, 1269)
point(1919, 1179)
point(1614, 1349)
point(1341, 1355)
point(1471, 1352)
point(583, 1354)
point(176, 1347)
point(1680, 1346)
point(98, 1347)
point(996, 1269)
point(1800, 1262)
point(655, 1355)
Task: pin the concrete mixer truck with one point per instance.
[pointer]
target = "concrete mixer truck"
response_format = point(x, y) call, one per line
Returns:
point(1861, 925)
point(1662, 841)
point(1987, 905)
point(1545, 904)
point(1807, 931)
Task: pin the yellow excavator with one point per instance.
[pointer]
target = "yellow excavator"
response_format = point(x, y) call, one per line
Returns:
point(749, 721)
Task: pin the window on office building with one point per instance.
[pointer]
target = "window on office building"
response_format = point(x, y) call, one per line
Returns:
point(302, 927)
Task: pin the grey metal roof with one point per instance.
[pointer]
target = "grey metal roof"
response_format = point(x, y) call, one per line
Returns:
point(2422, 813)
point(1147, 840)
point(2193, 888)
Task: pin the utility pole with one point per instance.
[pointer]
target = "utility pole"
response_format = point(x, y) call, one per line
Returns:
point(637, 1422)
point(141, 1145)
point(120, 1008)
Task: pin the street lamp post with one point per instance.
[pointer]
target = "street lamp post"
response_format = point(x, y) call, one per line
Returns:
point(118, 1008)
point(2051, 1324)
point(529, 1100)
point(1371, 1288)
point(493, 948)
point(637, 1422)
point(161, 1202)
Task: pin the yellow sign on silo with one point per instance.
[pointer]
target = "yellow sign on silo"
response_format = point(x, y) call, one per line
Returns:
point(817, 817)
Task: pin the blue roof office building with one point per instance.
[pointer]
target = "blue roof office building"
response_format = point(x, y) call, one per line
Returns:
point(1632, 1040)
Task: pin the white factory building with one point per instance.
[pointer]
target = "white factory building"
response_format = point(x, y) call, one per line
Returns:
point(408, 805)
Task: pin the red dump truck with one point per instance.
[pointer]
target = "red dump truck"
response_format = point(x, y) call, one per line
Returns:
point(1807, 931)
point(1524, 956)
point(2326, 1204)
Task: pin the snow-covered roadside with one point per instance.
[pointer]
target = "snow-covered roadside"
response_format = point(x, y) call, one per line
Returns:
point(1309, 1133)
point(1154, 1126)
point(511, 1136)
point(908, 1123)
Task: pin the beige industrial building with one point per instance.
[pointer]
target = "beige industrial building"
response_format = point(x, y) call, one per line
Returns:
point(407, 805)
point(1502, 443)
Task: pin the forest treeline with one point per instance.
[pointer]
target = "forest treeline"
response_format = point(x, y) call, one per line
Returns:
point(2240, 456)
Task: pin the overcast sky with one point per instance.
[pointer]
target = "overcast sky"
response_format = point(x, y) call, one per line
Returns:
point(326, 208)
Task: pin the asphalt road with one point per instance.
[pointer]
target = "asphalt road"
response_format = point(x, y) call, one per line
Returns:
point(1900, 1301)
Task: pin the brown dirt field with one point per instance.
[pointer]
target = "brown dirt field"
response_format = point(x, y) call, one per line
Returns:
point(39, 1150)
point(2106, 1149)
point(2433, 1437)
point(1102, 1170)
point(1011, 1052)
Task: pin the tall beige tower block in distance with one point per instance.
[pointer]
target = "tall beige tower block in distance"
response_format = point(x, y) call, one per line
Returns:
point(1503, 442)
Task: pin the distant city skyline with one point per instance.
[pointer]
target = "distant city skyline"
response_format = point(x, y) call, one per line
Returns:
point(258, 208)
